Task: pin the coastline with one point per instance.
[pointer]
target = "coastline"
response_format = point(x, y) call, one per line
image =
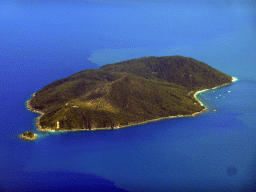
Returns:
point(27, 138)
point(30, 108)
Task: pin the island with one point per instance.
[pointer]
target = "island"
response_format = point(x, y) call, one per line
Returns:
point(29, 136)
point(126, 93)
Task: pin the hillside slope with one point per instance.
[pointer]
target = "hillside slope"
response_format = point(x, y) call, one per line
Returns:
point(184, 71)
point(125, 93)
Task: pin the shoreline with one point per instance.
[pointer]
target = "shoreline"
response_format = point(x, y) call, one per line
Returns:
point(28, 137)
point(131, 124)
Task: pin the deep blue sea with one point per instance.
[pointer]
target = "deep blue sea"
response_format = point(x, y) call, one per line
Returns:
point(44, 41)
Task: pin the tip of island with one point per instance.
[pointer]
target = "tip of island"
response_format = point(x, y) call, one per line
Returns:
point(126, 93)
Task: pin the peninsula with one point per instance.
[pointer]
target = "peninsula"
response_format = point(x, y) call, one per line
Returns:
point(125, 93)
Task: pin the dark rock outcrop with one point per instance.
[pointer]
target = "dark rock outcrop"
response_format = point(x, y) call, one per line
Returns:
point(28, 136)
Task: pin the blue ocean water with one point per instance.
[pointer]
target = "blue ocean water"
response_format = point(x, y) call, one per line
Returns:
point(183, 153)
point(43, 42)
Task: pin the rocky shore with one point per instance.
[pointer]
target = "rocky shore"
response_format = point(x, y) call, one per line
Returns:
point(29, 136)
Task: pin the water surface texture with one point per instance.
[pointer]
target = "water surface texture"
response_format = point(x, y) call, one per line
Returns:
point(42, 41)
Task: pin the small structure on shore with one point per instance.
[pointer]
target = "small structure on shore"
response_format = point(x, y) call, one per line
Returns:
point(29, 136)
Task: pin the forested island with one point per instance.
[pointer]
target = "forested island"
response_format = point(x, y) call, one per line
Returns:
point(125, 93)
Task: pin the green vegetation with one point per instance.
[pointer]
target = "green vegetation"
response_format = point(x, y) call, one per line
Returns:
point(184, 71)
point(125, 93)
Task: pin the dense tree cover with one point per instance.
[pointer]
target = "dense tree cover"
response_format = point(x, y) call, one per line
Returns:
point(184, 71)
point(125, 93)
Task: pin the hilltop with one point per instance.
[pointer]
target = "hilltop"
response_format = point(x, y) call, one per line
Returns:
point(125, 93)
